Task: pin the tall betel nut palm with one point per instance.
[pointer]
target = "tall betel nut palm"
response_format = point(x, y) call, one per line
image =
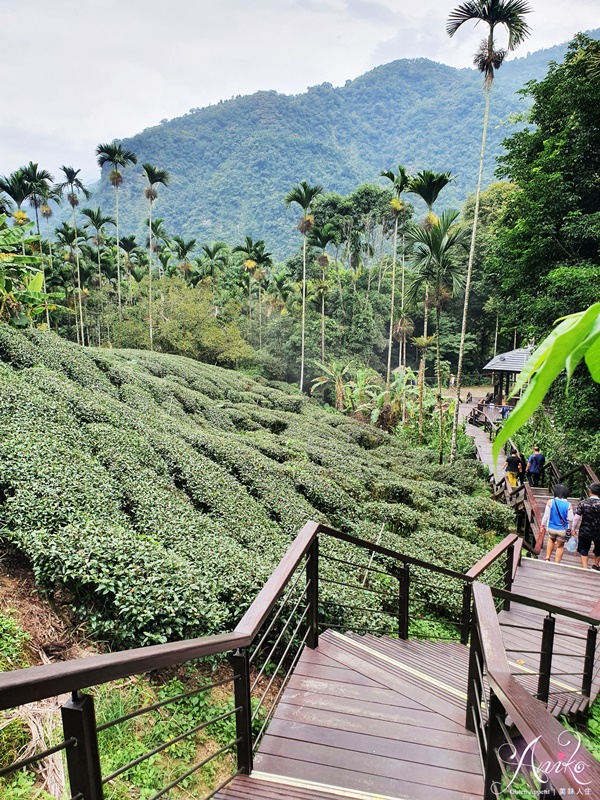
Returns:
point(155, 177)
point(73, 186)
point(488, 58)
point(115, 156)
point(401, 181)
point(304, 195)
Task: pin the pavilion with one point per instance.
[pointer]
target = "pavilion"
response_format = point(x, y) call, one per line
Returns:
point(505, 368)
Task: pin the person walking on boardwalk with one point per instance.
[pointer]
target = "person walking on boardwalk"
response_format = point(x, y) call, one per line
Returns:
point(586, 526)
point(557, 519)
point(512, 465)
point(535, 466)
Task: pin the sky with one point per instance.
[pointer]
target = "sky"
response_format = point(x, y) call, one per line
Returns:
point(79, 72)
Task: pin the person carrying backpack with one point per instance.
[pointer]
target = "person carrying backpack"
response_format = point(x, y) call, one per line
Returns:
point(586, 526)
point(557, 520)
point(535, 466)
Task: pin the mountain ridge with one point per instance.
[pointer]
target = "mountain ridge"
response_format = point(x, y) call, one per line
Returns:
point(232, 162)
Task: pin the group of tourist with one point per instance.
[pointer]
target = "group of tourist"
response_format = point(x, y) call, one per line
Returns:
point(518, 469)
point(561, 523)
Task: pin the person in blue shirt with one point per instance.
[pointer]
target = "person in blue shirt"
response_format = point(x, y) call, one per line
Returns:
point(557, 520)
point(535, 466)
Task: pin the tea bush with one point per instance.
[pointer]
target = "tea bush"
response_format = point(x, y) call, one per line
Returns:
point(158, 493)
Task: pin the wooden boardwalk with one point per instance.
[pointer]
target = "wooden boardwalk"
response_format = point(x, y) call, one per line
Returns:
point(363, 717)
point(377, 718)
point(565, 587)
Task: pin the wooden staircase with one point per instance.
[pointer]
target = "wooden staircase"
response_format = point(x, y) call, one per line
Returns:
point(370, 717)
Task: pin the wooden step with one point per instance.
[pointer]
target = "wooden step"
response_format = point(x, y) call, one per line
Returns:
point(354, 721)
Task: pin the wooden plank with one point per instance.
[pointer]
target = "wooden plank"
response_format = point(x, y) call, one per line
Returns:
point(404, 732)
point(338, 674)
point(369, 694)
point(423, 718)
point(368, 742)
point(387, 675)
point(371, 764)
point(360, 781)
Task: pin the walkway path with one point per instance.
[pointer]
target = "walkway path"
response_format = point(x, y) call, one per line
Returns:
point(482, 443)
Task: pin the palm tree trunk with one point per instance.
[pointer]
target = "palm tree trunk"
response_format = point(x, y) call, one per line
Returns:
point(403, 315)
point(463, 331)
point(78, 280)
point(438, 364)
point(496, 333)
point(423, 365)
point(44, 270)
point(303, 311)
point(150, 277)
point(389, 361)
point(259, 318)
point(118, 255)
point(323, 312)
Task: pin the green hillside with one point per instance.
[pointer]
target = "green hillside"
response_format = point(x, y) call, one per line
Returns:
point(232, 163)
point(154, 494)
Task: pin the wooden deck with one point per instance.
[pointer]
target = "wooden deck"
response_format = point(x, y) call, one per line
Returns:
point(375, 718)
point(360, 715)
point(567, 587)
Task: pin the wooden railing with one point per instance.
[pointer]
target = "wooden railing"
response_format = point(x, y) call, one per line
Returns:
point(577, 479)
point(298, 601)
point(552, 761)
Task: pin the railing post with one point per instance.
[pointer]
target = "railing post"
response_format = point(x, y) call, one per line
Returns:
point(312, 594)
point(495, 739)
point(243, 718)
point(508, 574)
point(543, 689)
point(465, 618)
point(83, 759)
point(404, 591)
point(473, 679)
point(589, 660)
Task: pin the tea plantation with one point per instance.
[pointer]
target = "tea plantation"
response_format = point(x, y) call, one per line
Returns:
point(155, 494)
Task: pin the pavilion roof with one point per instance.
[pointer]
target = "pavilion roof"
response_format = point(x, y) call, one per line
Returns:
point(513, 361)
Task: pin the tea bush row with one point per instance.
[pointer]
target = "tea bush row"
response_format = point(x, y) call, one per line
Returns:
point(157, 494)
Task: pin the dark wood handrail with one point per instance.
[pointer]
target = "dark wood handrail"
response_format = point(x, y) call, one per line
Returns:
point(262, 605)
point(384, 551)
point(589, 619)
point(493, 554)
point(36, 683)
point(590, 474)
point(528, 714)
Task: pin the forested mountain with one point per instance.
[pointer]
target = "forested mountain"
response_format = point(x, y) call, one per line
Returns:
point(232, 163)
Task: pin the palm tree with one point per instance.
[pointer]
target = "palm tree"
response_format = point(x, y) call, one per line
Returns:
point(118, 158)
point(511, 15)
point(97, 220)
point(181, 251)
point(257, 262)
point(278, 292)
point(39, 181)
point(304, 195)
point(40, 185)
point(321, 237)
point(427, 185)
point(334, 374)
point(16, 186)
point(401, 181)
point(73, 187)
point(435, 267)
point(155, 177)
point(5, 204)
